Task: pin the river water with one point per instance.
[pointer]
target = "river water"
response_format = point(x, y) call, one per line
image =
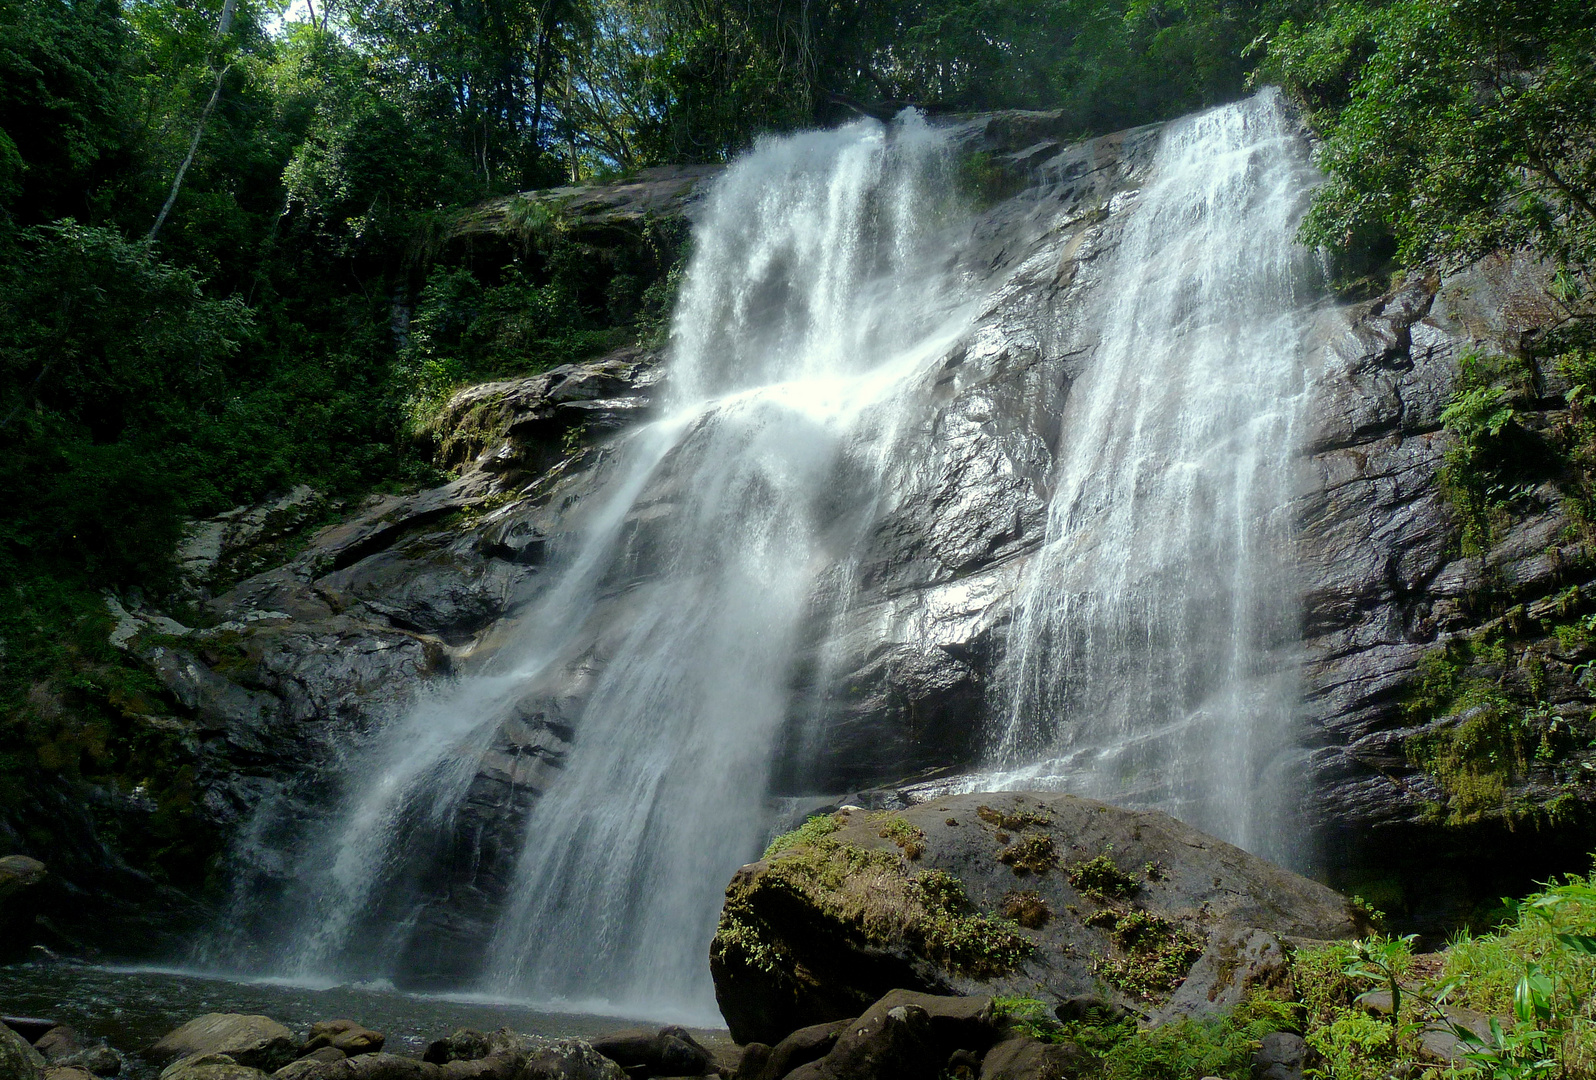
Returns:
point(130, 1008)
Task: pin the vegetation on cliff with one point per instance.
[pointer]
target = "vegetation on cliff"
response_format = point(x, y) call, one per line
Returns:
point(1452, 130)
point(1516, 1002)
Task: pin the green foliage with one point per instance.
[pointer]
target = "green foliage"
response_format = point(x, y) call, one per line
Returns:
point(908, 838)
point(1453, 127)
point(1187, 1048)
point(1014, 821)
point(89, 412)
point(1497, 727)
point(1383, 961)
point(1539, 968)
point(1322, 983)
point(1102, 879)
point(1154, 954)
point(1028, 1016)
point(1354, 1046)
point(1491, 461)
point(1034, 853)
point(1545, 931)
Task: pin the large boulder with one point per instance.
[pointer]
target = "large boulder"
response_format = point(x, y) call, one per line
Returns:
point(20, 878)
point(669, 1051)
point(209, 1067)
point(344, 1035)
point(18, 1060)
point(252, 1042)
point(1048, 896)
point(763, 1062)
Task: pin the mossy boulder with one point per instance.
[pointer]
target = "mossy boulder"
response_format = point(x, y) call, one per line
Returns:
point(18, 1060)
point(1036, 895)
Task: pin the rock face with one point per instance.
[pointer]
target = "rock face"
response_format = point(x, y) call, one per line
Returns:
point(1171, 921)
point(1386, 587)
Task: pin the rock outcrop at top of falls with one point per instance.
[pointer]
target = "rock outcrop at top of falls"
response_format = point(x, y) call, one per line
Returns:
point(304, 658)
point(1026, 894)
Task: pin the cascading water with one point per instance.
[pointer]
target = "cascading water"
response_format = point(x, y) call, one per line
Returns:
point(815, 293)
point(1152, 654)
point(808, 303)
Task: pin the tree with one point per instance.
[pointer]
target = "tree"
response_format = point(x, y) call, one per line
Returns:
point(1453, 127)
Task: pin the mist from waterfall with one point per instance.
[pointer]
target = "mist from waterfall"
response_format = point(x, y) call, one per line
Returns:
point(1152, 656)
point(815, 292)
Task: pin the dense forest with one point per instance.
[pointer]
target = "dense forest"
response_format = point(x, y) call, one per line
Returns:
point(221, 272)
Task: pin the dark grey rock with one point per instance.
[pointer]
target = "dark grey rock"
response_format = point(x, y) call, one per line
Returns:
point(670, 1051)
point(344, 1036)
point(798, 1048)
point(1280, 1056)
point(58, 1043)
point(1025, 1058)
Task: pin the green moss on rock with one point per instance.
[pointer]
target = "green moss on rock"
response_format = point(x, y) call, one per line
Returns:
point(1154, 954)
point(867, 899)
point(1102, 880)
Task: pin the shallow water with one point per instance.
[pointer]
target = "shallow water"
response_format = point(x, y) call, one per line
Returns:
point(130, 1008)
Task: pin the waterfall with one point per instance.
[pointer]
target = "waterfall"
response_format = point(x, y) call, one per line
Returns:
point(818, 288)
point(1152, 654)
point(648, 683)
point(808, 303)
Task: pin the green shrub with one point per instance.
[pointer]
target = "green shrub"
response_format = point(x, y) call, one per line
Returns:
point(1186, 1049)
point(1101, 879)
point(1354, 1046)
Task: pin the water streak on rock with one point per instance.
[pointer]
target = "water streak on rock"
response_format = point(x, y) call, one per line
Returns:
point(1152, 658)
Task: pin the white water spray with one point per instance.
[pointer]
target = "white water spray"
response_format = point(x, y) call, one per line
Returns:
point(812, 299)
point(1152, 658)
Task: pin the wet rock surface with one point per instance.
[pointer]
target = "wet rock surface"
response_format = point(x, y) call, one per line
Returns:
point(302, 662)
point(1173, 922)
point(1386, 586)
